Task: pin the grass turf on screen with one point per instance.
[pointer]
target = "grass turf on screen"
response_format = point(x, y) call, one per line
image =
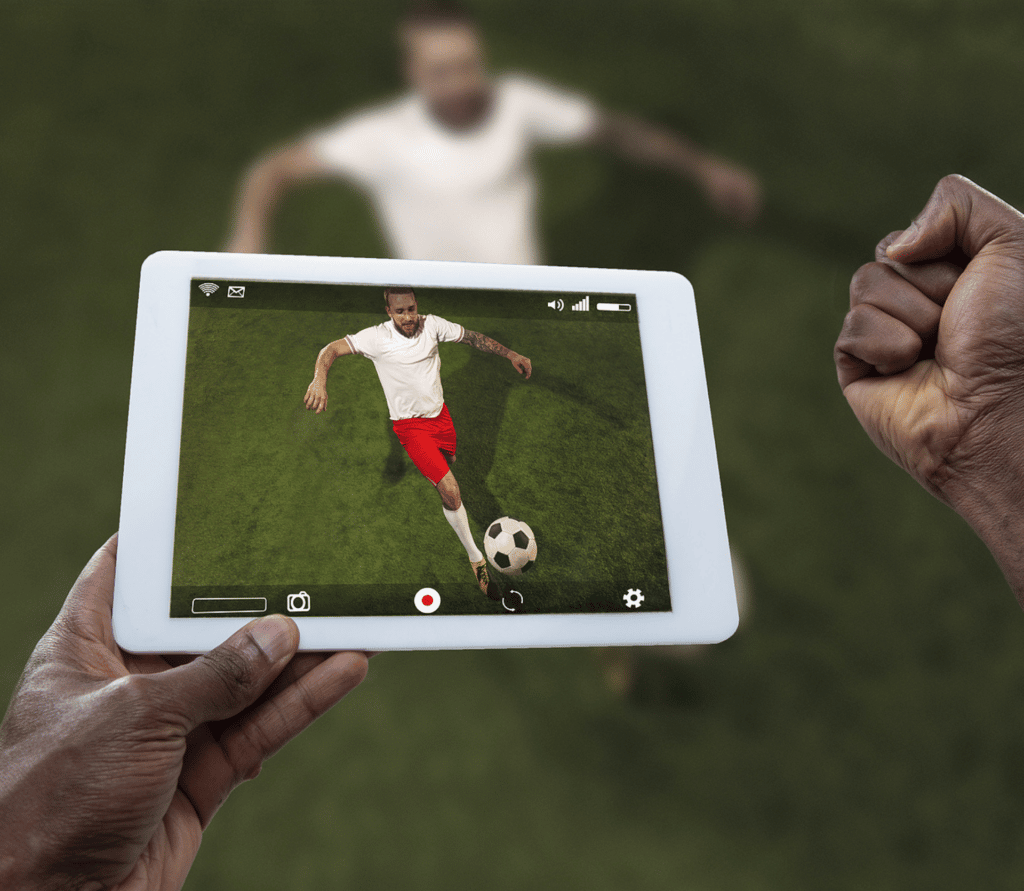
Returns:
point(273, 498)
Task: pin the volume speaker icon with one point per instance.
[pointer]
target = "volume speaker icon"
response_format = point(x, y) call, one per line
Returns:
point(208, 288)
point(558, 304)
point(583, 305)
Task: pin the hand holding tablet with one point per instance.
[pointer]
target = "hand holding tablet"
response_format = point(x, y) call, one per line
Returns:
point(570, 499)
point(114, 764)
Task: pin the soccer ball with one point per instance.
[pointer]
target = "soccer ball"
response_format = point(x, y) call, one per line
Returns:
point(510, 546)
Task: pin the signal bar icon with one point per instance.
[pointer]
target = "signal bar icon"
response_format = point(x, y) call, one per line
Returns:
point(208, 288)
point(583, 305)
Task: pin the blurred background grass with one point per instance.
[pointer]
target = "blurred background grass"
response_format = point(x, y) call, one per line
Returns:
point(863, 729)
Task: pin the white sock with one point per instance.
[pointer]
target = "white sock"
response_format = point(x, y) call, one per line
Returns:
point(458, 520)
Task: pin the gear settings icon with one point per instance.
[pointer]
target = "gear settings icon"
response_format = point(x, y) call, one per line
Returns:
point(633, 598)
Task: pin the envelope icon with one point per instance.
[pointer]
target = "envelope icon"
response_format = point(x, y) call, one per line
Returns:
point(236, 290)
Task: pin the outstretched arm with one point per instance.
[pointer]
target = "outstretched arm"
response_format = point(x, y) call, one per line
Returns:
point(316, 393)
point(732, 190)
point(488, 345)
point(263, 187)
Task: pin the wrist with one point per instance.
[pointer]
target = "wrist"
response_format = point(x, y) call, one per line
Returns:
point(23, 853)
point(995, 511)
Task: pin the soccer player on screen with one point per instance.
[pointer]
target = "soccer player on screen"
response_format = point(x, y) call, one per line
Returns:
point(404, 352)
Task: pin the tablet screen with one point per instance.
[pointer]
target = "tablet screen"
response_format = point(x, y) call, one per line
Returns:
point(282, 509)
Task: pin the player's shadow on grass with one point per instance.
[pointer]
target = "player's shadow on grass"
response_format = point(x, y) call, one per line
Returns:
point(397, 463)
point(477, 396)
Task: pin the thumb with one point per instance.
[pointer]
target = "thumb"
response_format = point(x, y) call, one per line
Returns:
point(226, 680)
point(958, 215)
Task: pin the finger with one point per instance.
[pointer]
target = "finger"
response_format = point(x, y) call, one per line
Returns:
point(881, 286)
point(935, 279)
point(873, 342)
point(223, 682)
point(292, 709)
point(213, 768)
point(885, 406)
point(959, 214)
point(295, 670)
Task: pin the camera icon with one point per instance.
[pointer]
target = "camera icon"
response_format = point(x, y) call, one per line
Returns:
point(298, 603)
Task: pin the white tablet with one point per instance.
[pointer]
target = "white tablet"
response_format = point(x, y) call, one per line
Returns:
point(588, 491)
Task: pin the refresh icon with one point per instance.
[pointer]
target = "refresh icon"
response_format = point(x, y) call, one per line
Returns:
point(512, 600)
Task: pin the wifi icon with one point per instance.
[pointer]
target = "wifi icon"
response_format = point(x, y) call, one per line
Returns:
point(208, 288)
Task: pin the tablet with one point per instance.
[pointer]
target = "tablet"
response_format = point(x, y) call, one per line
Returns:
point(552, 423)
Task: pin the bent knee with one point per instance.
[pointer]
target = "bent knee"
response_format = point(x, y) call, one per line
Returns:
point(448, 489)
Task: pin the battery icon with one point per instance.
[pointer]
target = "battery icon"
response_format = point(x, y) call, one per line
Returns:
point(614, 307)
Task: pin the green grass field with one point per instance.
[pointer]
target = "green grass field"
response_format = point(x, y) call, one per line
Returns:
point(863, 729)
point(273, 498)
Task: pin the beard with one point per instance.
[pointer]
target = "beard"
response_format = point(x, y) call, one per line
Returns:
point(465, 111)
point(410, 329)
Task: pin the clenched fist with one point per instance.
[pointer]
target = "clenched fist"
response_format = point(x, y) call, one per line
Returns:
point(931, 359)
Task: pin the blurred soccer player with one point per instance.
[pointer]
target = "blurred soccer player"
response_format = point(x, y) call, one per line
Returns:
point(404, 352)
point(447, 166)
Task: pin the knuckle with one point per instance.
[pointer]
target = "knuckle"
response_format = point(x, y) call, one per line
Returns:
point(954, 182)
point(134, 689)
point(954, 190)
point(845, 332)
point(865, 282)
point(249, 751)
point(231, 670)
point(848, 366)
point(840, 356)
point(855, 324)
point(846, 343)
point(136, 698)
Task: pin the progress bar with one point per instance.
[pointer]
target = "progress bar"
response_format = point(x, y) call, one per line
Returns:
point(614, 307)
point(213, 605)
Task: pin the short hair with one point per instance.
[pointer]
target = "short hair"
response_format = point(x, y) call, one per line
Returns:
point(396, 289)
point(425, 13)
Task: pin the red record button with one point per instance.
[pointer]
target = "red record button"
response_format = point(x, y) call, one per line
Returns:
point(427, 600)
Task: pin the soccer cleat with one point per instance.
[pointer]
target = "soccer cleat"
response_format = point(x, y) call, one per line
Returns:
point(483, 579)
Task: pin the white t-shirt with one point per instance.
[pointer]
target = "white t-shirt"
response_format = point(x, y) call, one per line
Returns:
point(409, 368)
point(442, 194)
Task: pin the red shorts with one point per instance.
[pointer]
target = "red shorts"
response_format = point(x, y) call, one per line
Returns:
point(428, 441)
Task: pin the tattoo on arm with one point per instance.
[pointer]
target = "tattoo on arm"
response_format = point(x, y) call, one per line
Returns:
point(485, 344)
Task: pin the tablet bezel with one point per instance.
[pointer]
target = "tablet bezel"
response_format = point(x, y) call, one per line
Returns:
point(704, 606)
